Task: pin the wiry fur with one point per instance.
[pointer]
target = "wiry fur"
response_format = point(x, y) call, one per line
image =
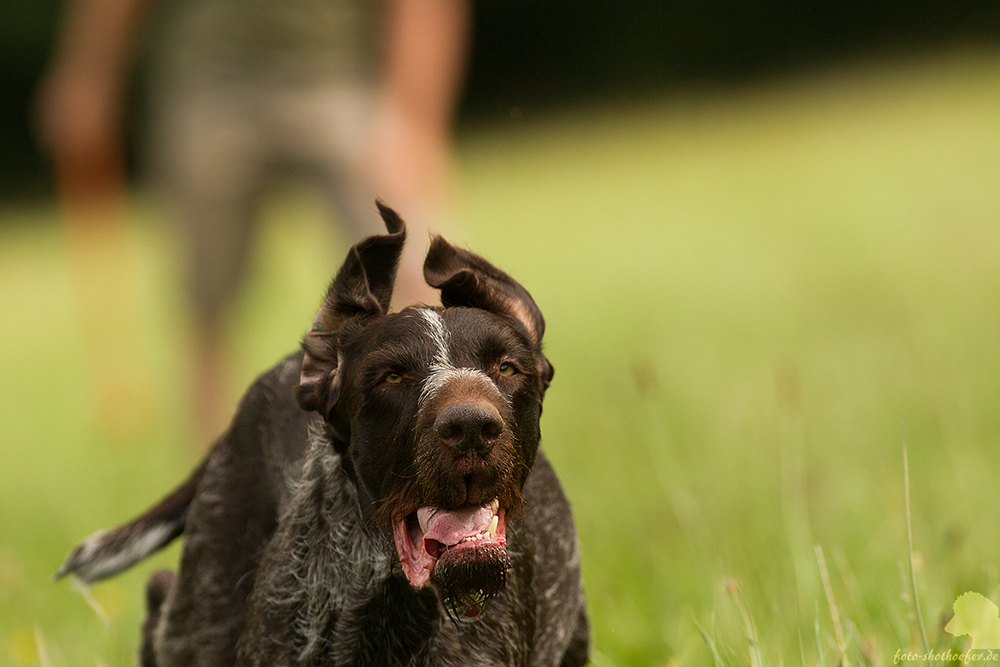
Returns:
point(330, 592)
point(287, 560)
point(326, 565)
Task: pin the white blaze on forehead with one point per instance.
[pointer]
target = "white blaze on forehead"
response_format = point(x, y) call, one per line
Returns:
point(438, 333)
point(442, 371)
point(442, 374)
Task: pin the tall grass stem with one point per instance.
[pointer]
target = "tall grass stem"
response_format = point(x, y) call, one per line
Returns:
point(909, 545)
point(831, 601)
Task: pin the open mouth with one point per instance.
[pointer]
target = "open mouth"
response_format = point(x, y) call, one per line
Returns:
point(462, 552)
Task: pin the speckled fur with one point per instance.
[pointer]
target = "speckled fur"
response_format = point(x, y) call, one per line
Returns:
point(286, 562)
point(330, 593)
point(274, 507)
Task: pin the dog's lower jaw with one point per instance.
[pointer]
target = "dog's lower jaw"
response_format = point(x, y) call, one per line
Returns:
point(462, 553)
point(469, 577)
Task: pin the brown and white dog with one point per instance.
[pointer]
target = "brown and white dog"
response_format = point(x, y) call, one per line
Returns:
point(380, 497)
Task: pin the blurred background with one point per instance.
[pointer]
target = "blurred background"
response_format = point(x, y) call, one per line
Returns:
point(764, 236)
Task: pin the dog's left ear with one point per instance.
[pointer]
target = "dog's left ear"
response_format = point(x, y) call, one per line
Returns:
point(466, 279)
point(361, 288)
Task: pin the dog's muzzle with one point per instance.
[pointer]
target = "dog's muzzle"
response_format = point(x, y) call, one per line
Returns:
point(456, 539)
point(451, 531)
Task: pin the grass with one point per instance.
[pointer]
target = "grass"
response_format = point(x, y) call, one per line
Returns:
point(746, 292)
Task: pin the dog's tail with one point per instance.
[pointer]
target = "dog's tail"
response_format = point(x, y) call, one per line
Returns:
point(108, 552)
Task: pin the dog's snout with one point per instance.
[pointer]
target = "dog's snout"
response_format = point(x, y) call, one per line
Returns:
point(468, 426)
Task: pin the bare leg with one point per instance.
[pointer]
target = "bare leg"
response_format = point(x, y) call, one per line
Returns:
point(425, 50)
point(95, 211)
point(207, 147)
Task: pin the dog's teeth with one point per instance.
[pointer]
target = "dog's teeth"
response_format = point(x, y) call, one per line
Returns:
point(495, 505)
point(492, 530)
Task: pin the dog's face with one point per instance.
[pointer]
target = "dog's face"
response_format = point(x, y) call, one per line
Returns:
point(443, 417)
point(434, 410)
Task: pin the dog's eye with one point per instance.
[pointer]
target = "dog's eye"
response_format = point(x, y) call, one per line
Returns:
point(507, 369)
point(392, 378)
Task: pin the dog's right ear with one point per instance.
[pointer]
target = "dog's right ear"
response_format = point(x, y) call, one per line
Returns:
point(466, 279)
point(362, 288)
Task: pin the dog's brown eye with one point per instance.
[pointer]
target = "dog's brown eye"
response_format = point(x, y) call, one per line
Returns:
point(507, 369)
point(393, 378)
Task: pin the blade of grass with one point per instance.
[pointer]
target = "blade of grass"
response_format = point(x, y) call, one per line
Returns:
point(831, 601)
point(756, 655)
point(43, 654)
point(820, 659)
point(84, 590)
point(802, 650)
point(599, 659)
point(716, 658)
point(909, 543)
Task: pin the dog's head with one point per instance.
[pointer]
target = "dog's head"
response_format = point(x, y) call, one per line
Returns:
point(433, 410)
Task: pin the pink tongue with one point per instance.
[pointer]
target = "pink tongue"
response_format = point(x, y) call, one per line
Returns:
point(450, 528)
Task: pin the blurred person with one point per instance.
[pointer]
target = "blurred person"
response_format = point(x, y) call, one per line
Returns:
point(357, 95)
point(79, 118)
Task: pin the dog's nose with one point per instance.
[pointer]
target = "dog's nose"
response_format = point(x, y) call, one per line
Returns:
point(469, 426)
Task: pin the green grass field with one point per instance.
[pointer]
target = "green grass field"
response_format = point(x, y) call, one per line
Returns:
point(747, 292)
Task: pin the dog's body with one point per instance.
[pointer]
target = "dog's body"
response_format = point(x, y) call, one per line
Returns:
point(417, 493)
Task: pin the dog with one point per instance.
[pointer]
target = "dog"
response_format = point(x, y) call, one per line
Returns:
point(380, 497)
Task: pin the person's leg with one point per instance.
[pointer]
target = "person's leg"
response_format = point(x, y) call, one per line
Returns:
point(425, 47)
point(328, 129)
point(213, 166)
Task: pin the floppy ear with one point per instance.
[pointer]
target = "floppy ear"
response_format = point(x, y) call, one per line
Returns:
point(361, 288)
point(466, 279)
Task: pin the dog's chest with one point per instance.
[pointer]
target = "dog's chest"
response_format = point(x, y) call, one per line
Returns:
point(391, 623)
